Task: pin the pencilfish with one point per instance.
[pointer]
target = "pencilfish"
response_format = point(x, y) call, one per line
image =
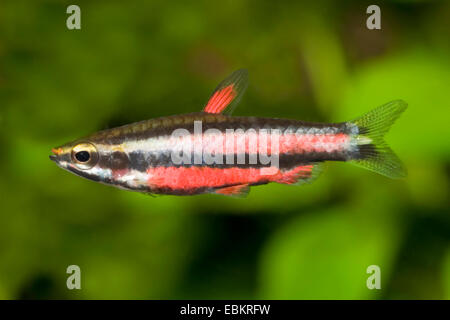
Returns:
point(213, 152)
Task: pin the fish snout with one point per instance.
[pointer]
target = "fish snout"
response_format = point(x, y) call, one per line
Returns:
point(56, 152)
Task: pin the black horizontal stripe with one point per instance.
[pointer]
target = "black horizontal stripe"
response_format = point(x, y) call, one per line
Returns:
point(142, 161)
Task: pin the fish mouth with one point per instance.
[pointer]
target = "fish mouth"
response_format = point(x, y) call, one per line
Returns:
point(56, 153)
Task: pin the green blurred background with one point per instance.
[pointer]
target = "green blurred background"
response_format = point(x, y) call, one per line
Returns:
point(135, 60)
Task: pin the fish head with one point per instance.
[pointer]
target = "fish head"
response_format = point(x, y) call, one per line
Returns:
point(83, 158)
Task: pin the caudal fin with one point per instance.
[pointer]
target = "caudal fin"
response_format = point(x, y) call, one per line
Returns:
point(373, 152)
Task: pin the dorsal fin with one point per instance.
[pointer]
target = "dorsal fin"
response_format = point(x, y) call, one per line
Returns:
point(228, 93)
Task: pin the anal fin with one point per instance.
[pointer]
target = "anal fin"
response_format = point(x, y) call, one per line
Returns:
point(240, 190)
point(305, 173)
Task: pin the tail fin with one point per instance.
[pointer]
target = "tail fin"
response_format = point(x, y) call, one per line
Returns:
point(373, 152)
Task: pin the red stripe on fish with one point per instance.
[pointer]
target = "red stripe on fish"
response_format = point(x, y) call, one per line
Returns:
point(191, 178)
point(313, 143)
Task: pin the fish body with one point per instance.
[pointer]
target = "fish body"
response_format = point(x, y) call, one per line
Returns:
point(214, 152)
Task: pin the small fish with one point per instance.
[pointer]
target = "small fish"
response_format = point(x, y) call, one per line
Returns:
point(213, 152)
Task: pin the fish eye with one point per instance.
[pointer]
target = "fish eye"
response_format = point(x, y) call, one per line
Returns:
point(84, 155)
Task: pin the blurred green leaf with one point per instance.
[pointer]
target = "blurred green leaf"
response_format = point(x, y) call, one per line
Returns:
point(325, 256)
